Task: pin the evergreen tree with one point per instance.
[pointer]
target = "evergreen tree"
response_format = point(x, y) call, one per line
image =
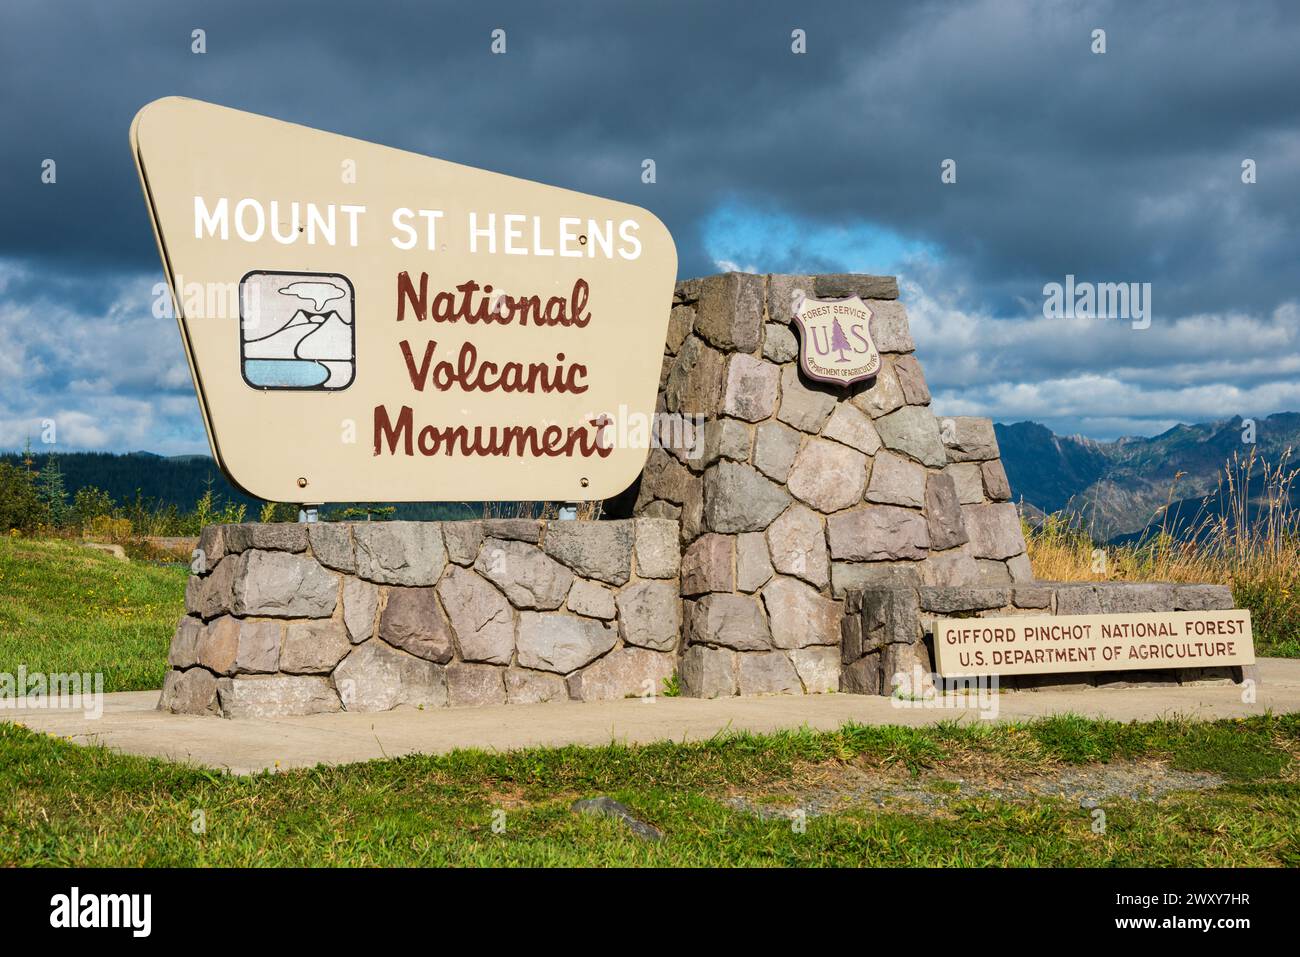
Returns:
point(20, 506)
point(839, 341)
point(49, 486)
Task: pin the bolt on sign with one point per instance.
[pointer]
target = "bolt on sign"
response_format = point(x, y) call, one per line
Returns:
point(967, 647)
point(366, 324)
point(835, 340)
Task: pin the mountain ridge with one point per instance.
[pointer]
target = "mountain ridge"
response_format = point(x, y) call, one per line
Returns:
point(1119, 486)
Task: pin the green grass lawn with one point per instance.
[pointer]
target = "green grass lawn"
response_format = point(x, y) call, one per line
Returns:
point(61, 804)
point(871, 795)
point(65, 608)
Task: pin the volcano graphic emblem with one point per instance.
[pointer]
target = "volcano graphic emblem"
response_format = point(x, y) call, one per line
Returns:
point(835, 342)
point(296, 330)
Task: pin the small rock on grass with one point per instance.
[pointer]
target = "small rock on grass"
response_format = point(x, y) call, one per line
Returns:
point(608, 807)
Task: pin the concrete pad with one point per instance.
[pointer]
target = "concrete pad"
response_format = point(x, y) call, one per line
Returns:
point(131, 724)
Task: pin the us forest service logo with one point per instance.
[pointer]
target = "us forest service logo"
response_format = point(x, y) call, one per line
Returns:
point(835, 340)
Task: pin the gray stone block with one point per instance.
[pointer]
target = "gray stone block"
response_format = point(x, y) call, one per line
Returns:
point(184, 647)
point(861, 676)
point(270, 536)
point(877, 533)
point(730, 311)
point(734, 621)
point(658, 551)
point(360, 603)
point(994, 476)
point(1202, 598)
point(377, 677)
point(851, 426)
point(479, 615)
point(775, 446)
point(846, 577)
point(708, 565)
point(462, 540)
point(474, 685)
point(708, 672)
point(561, 643)
point(969, 439)
point(753, 563)
point(799, 616)
point(750, 392)
point(275, 696)
point(513, 529)
point(828, 476)
point(779, 343)
point(889, 328)
point(1077, 599)
point(804, 405)
point(726, 439)
point(818, 668)
point(844, 285)
point(912, 380)
point(313, 647)
point(797, 544)
point(623, 673)
point(913, 431)
point(331, 545)
point(737, 498)
point(943, 514)
point(1037, 597)
point(282, 585)
point(529, 577)
point(192, 691)
point(599, 550)
point(412, 621)
point(1129, 597)
point(945, 601)
point(695, 382)
point(649, 615)
point(767, 672)
point(882, 394)
point(399, 553)
point(212, 548)
point(896, 480)
point(994, 530)
point(968, 478)
point(534, 687)
point(592, 600)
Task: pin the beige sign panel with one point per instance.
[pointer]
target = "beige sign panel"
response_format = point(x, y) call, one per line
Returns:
point(966, 647)
point(365, 324)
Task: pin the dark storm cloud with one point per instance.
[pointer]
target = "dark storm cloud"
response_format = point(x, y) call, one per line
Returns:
point(1119, 167)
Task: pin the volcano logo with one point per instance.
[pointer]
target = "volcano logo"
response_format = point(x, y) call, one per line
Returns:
point(296, 330)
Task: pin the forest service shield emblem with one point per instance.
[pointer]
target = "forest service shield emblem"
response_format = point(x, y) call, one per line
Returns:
point(835, 340)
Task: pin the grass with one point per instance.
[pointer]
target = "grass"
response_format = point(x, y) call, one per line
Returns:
point(1253, 546)
point(65, 608)
point(62, 804)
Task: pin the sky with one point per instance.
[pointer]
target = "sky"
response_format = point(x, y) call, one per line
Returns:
point(1122, 166)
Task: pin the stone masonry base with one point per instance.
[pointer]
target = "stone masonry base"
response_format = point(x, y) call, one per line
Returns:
point(303, 618)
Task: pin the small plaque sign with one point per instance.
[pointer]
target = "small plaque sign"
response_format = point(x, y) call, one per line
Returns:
point(965, 647)
point(835, 340)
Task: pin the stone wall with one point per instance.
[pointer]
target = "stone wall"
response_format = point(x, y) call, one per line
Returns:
point(887, 632)
point(798, 492)
point(792, 537)
point(304, 618)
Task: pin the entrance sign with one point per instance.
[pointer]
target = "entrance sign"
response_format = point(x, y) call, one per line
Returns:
point(965, 647)
point(366, 324)
point(835, 340)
